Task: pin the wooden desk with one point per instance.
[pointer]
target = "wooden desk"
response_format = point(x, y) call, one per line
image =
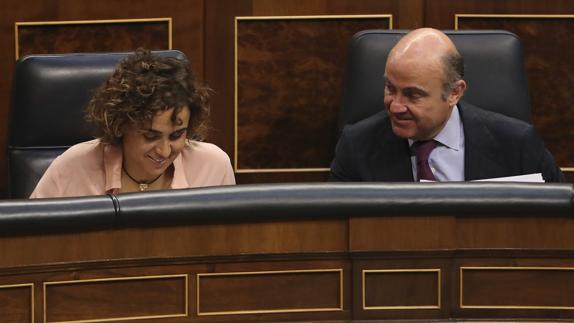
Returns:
point(319, 268)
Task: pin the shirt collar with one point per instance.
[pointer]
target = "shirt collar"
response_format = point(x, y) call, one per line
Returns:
point(113, 159)
point(450, 135)
point(179, 179)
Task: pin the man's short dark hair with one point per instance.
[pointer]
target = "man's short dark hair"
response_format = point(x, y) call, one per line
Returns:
point(453, 71)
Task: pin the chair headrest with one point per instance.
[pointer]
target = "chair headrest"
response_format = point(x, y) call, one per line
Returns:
point(494, 72)
point(50, 93)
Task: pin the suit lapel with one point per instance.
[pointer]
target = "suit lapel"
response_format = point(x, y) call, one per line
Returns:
point(391, 161)
point(481, 149)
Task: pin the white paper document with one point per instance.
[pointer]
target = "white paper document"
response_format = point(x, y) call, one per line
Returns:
point(530, 178)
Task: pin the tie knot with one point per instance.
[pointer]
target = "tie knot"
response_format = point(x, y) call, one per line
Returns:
point(424, 148)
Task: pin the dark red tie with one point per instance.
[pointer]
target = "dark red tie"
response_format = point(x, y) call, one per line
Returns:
point(423, 150)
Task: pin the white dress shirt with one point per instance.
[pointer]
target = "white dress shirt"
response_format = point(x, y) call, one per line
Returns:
point(447, 159)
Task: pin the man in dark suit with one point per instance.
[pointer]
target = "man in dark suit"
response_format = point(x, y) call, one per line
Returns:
point(427, 133)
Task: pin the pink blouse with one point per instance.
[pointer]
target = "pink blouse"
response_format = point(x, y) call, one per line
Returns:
point(95, 168)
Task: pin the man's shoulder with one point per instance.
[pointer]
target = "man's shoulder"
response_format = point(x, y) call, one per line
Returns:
point(514, 145)
point(495, 122)
point(369, 125)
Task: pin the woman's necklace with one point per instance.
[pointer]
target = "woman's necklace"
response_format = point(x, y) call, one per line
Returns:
point(143, 185)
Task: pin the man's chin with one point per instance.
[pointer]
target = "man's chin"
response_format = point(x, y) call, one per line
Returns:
point(403, 132)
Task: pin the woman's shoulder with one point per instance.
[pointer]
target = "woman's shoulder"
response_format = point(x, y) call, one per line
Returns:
point(84, 148)
point(75, 172)
point(205, 151)
point(83, 152)
point(206, 164)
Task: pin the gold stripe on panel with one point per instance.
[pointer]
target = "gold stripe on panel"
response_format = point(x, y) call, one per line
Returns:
point(389, 16)
point(31, 286)
point(278, 272)
point(236, 141)
point(90, 22)
point(520, 307)
point(518, 16)
point(281, 170)
point(81, 281)
point(401, 307)
point(235, 96)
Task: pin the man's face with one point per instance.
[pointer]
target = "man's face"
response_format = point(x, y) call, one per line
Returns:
point(413, 98)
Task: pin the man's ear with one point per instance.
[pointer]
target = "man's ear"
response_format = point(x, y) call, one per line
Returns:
point(457, 92)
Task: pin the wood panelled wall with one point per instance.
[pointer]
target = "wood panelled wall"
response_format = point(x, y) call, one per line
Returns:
point(205, 31)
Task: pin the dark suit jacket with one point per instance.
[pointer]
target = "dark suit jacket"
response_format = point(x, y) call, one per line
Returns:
point(495, 146)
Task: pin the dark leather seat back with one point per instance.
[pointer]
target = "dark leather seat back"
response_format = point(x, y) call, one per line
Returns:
point(49, 96)
point(494, 72)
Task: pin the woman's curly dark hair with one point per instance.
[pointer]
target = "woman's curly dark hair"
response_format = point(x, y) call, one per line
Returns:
point(142, 85)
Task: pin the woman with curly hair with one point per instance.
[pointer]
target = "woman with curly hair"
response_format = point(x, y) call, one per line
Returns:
point(151, 115)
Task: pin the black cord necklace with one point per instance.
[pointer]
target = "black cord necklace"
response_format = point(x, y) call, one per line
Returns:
point(143, 185)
